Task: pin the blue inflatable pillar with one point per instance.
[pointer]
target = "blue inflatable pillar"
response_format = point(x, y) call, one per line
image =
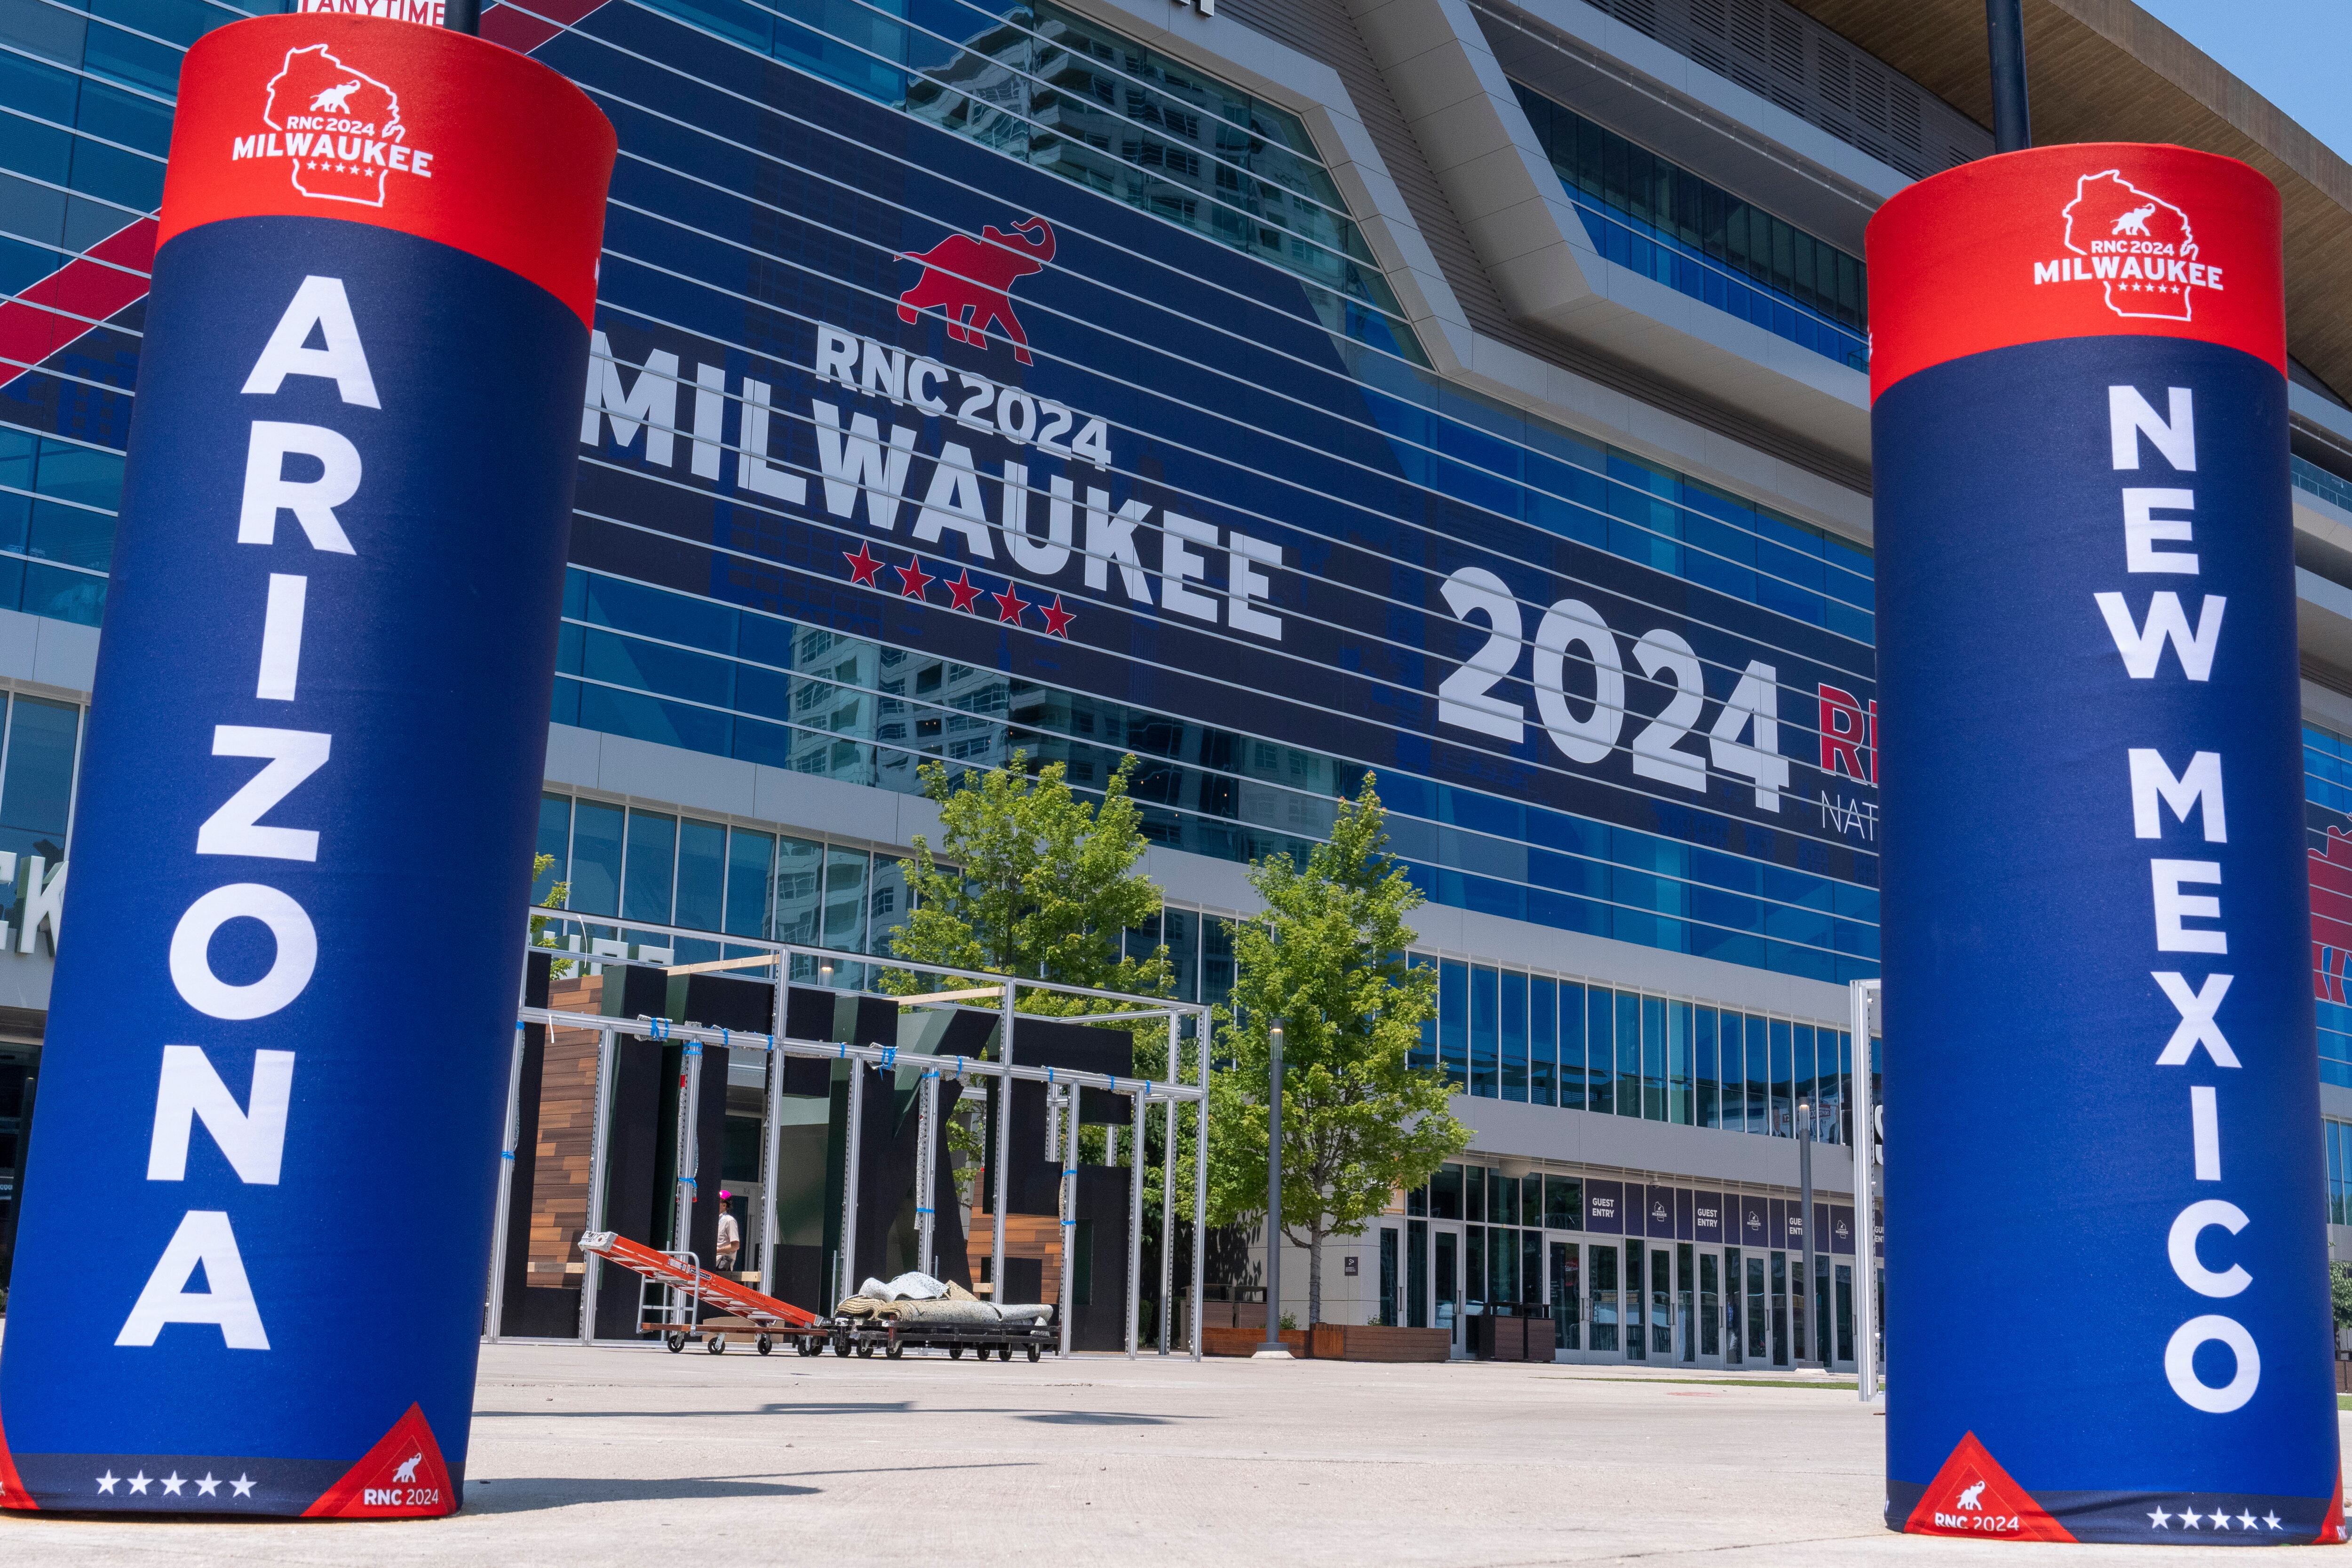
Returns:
point(2107, 1308)
point(251, 1262)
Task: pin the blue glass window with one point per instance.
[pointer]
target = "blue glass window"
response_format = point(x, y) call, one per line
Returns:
point(650, 867)
point(750, 862)
point(1783, 1112)
point(1759, 1076)
point(1678, 1062)
point(800, 892)
point(1572, 1046)
point(1709, 1107)
point(1601, 1049)
point(554, 841)
point(1453, 1021)
point(596, 857)
point(1543, 1041)
point(1424, 1055)
point(702, 874)
point(1484, 1065)
point(844, 906)
point(1629, 1054)
point(1653, 1058)
point(1514, 1036)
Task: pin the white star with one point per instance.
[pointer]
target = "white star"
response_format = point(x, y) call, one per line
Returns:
point(244, 1487)
point(2191, 1518)
point(2158, 1519)
point(2246, 1522)
point(2272, 1519)
point(172, 1483)
point(208, 1486)
point(106, 1482)
point(139, 1483)
point(2221, 1519)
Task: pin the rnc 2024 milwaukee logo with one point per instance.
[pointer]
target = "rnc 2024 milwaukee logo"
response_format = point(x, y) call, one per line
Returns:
point(2138, 247)
point(339, 130)
point(970, 281)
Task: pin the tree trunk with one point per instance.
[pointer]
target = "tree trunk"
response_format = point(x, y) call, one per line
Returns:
point(1314, 1276)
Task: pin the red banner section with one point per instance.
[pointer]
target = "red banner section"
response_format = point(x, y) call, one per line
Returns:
point(403, 1477)
point(2092, 239)
point(409, 128)
point(1973, 1496)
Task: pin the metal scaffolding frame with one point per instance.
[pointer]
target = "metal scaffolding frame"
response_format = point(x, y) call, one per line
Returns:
point(1062, 1089)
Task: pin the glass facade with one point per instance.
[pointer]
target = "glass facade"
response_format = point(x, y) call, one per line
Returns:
point(627, 864)
point(1043, 85)
point(1577, 1044)
point(1699, 239)
point(1058, 93)
point(1628, 1269)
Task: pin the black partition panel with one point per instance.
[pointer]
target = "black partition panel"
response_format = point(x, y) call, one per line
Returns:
point(631, 1173)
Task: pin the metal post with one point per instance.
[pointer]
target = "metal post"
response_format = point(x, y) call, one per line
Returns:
point(505, 1188)
point(1201, 1184)
point(927, 1197)
point(1068, 1114)
point(1168, 1187)
point(591, 1271)
point(772, 1146)
point(851, 1140)
point(1806, 1112)
point(1865, 995)
point(1273, 1344)
point(686, 1189)
point(2005, 43)
point(1135, 1228)
point(1003, 1091)
point(462, 17)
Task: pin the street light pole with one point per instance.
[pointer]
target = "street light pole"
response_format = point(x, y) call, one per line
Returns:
point(1806, 1112)
point(1274, 1345)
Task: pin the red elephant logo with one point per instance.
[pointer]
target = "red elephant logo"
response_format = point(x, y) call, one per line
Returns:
point(967, 280)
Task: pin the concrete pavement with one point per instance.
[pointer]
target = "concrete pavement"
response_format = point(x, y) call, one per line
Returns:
point(634, 1456)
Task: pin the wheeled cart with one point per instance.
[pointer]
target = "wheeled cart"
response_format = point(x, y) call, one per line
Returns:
point(863, 1336)
point(744, 1313)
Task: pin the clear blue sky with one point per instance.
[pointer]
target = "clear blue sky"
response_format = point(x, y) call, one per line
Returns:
point(2296, 53)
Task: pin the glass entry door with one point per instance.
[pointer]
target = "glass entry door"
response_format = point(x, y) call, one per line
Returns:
point(1446, 1280)
point(1602, 1321)
point(1710, 1307)
point(1567, 1295)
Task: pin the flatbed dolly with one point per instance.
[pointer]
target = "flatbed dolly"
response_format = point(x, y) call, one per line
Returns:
point(863, 1336)
point(746, 1313)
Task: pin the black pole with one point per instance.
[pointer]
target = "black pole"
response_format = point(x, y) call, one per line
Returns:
point(2012, 128)
point(462, 17)
point(1273, 1344)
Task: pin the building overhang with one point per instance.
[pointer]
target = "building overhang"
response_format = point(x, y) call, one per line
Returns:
point(2106, 70)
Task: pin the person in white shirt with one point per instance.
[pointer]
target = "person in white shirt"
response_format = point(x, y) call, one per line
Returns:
point(730, 1236)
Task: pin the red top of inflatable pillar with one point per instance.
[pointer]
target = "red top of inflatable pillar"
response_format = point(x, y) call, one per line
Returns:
point(2084, 240)
point(405, 127)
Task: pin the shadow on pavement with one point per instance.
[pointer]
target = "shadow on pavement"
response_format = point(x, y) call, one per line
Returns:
point(528, 1493)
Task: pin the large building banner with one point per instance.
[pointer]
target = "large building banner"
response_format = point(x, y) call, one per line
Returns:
point(2100, 1064)
point(250, 1268)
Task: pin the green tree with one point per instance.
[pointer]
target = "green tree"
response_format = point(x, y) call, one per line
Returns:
point(2340, 1289)
point(1357, 1119)
point(1031, 879)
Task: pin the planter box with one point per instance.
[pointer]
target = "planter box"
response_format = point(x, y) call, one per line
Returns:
point(1365, 1341)
point(1215, 1341)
